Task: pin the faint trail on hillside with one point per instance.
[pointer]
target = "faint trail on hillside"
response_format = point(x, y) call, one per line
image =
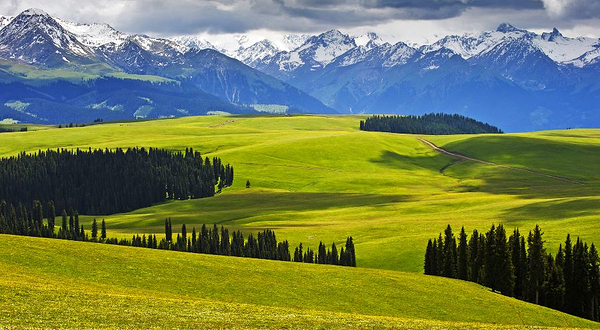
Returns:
point(455, 154)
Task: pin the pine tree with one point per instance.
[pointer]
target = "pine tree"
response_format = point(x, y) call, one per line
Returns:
point(505, 267)
point(463, 255)
point(351, 252)
point(103, 230)
point(570, 294)
point(519, 263)
point(51, 218)
point(449, 256)
point(475, 266)
point(94, 230)
point(334, 255)
point(63, 229)
point(594, 278)
point(428, 259)
point(537, 263)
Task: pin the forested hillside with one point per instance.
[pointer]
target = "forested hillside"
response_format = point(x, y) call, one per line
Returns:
point(433, 124)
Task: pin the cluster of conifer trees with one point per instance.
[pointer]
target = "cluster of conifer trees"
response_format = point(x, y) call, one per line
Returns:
point(433, 123)
point(519, 266)
point(107, 181)
point(30, 222)
point(26, 221)
point(263, 246)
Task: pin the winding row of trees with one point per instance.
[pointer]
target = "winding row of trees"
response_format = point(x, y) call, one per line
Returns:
point(110, 181)
point(263, 246)
point(519, 266)
point(433, 123)
point(37, 222)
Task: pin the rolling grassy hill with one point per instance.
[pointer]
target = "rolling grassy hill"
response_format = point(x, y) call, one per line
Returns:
point(319, 178)
point(54, 283)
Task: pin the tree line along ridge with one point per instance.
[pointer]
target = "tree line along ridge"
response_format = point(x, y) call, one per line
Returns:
point(26, 221)
point(432, 124)
point(520, 267)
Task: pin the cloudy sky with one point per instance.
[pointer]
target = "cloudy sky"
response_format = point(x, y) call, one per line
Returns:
point(420, 21)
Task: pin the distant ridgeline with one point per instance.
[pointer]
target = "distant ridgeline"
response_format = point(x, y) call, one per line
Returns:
point(30, 222)
point(519, 267)
point(107, 181)
point(433, 124)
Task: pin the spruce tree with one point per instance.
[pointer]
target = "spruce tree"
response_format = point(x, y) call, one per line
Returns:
point(473, 254)
point(428, 257)
point(537, 263)
point(449, 256)
point(463, 256)
point(505, 267)
point(94, 230)
point(103, 230)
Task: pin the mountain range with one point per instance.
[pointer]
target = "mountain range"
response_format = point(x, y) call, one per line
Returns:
point(55, 71)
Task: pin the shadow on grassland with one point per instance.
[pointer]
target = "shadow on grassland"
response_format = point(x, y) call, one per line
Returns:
point(559, 209)
point(565, 159)
point(243, 207)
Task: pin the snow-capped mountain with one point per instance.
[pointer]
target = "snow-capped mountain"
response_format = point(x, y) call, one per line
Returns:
point(515, 78)
point(260, 52)
point(293, 41)
point(95, 34)
point(193, 42)
point(35, 37)
point(553, 44)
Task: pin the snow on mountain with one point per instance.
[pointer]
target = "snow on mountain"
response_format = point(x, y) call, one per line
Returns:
point(589, 58)
point(557, 47)
point(369, 40)
point(325, 47)
point(35, 37)
point(194, 42)
point(562, 49)
point(94, 35)
point(293, 41)
point(260, 52)
point(4, 20)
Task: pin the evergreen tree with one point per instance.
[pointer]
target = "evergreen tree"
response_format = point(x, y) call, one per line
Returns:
point(94, 230)
point(537, 266)
point(449, 255)
point(463, 256)
point(519, 263)
point(63, 229)
point(428, 259)
point(505, 267)
point(474, 264)
point(570, 294)
point(51, 218)
point(103, 230)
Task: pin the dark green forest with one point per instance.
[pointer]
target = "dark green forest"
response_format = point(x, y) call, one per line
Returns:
point(25, 221)
point(520, 267)
point(110, 181)
point(432, 124)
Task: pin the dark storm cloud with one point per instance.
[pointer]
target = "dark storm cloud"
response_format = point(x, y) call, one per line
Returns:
point(237, 16)
point(175, 17)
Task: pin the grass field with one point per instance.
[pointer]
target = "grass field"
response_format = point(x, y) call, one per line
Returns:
point(319, 178)
point(51, 283)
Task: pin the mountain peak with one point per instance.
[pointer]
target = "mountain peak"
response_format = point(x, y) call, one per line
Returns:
point(505, 28)
point(552, 36)
point(34, 12)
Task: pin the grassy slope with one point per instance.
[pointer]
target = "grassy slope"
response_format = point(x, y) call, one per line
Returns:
point(53, 283)
point(319, 178)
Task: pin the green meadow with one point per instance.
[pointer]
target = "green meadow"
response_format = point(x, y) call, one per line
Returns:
point(318, 178)
point(50, 283)
point(313, 178)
